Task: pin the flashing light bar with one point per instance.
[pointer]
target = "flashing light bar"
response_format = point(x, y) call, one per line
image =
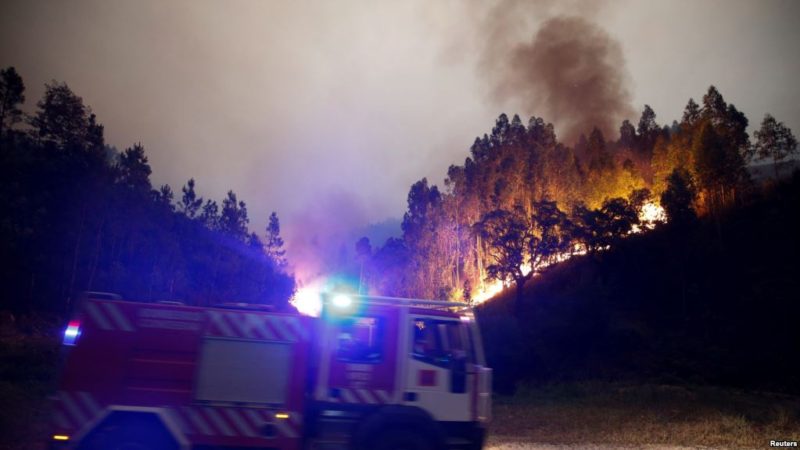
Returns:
point(60, 437)
point(342, 301)
point(72, 333)
point(281, 415)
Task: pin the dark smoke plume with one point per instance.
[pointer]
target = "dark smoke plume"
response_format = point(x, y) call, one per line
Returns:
point(572, 73)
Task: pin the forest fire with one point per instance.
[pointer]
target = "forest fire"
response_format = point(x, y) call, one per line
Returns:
point(649, 215)
point(307, 298)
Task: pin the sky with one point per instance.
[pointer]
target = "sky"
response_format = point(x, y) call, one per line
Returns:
point(328, 111)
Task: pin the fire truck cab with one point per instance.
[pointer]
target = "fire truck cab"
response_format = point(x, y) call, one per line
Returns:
point(369, 373)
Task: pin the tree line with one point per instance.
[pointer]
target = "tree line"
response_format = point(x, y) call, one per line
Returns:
point(523, 199)
point(79, 215)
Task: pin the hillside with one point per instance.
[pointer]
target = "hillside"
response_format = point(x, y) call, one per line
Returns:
point(714, 302)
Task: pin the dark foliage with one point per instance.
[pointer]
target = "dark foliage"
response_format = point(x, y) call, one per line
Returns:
point(78, 216)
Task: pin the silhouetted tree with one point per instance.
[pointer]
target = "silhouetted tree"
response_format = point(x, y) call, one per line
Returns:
point(164, 196)
point(775, 141)
point(190, 203)
point(233, 219)
point(691, 114)
point(627, 134)
point(551, 234)
point(12, 96)
point(210, 215)
point(509, 240)
point(80, 216)
point(647, 129)
point(274, 242)
point(679, 197)
point(133, 169)
point(617, 218)
point(63, 121)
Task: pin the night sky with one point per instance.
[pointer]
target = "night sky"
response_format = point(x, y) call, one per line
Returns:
point(332, 109)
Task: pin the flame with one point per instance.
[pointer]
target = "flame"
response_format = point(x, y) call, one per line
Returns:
point(650, 215)
point(494, 287)
point(307, 300)
point(489, 290)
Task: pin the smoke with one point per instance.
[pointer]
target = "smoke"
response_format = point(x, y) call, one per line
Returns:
point(322, 238)
point(572, 72)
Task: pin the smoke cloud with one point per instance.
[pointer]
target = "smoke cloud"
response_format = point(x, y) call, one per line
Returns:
point(322, 237)
point(572, 72)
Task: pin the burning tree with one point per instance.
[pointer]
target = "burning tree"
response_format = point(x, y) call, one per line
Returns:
point(519, 244)
point(509, 239)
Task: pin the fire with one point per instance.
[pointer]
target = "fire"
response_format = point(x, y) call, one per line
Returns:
point(307, 300)
point(489, 290)
point(494, 287)
point(650, 215)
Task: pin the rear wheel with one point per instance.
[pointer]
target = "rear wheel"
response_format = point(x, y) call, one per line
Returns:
point(401, 439)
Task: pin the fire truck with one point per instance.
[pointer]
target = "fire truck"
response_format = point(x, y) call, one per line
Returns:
point(369, 373)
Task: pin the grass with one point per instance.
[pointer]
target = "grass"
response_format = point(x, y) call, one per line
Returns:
point(640, 415)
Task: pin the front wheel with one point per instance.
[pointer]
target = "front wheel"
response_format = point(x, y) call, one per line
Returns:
point(401, 440)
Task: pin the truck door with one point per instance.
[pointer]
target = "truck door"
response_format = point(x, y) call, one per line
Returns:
point(360, 359)
point(442, 368)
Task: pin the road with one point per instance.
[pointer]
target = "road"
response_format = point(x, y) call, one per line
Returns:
point(533, 446)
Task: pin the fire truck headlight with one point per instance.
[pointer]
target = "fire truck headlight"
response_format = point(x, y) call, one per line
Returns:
point(72, 333)
point(342, 301)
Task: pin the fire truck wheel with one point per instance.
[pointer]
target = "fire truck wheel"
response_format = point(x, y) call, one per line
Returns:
point(401, 439)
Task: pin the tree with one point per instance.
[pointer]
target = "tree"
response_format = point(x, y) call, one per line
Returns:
point(190, 203)
point(691, 114)
point(617, 218)
point(164, 196)
point(63, 120)
point(422, 199)
point(210, 215)
point(133, 170)
point(389, 268)
point(274, 243)
point(12, 95)
point(774, 140)
point(639, 197)
point(718, 165)
point(647, 129)
point(679, 197)
point(597, 152)
point(509, 239)
point(627, 134)
point(233, 219)
point(552, 238)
